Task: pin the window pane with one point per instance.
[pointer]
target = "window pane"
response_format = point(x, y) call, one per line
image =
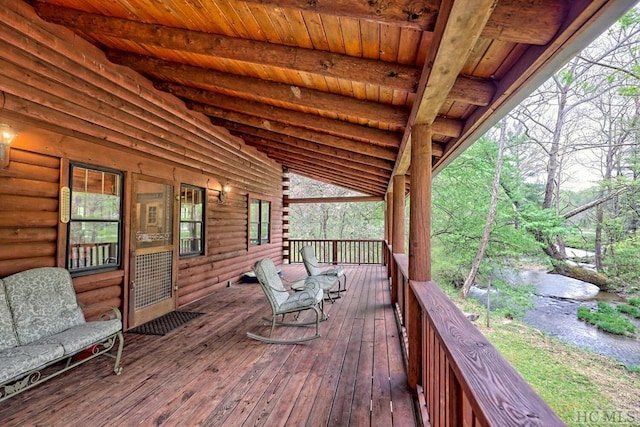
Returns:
point(154, 214)
point(253, 233)
point(266, 206)
point(255, 210)
point(264, 233)
point(96, 194)
point(93, 244)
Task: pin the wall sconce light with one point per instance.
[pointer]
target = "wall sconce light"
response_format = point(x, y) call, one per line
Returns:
point(6, 136)
point(223, 193)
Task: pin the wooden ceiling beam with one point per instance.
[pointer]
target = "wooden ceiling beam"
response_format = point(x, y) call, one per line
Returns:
point(323, 177)
point(270, 113)
point(344, 175)
point(327, 64)
point(313, 161)
point(318, 154)
point(320, 174)
point(441, 126)
point(343, 199)
point(300, 133)
point(458, 28)
point(352, 156)
point(395, 117)
point(321, 160)
point(519, 21)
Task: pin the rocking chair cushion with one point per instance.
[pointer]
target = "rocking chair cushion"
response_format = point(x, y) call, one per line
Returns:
point(303, 299)
point(279, 298)
point(314, 268)
point(324, 282)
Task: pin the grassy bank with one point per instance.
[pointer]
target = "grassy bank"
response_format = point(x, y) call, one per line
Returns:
point(583, 388)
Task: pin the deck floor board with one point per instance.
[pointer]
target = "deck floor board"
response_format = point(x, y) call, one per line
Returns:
point(209, 373)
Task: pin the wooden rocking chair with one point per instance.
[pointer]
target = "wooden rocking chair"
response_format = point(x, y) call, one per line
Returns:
point(314, 268)
point(282, 302)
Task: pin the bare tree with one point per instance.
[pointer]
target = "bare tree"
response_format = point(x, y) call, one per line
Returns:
point(471, 277)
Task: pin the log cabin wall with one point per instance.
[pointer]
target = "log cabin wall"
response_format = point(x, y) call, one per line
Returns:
point(70, 104)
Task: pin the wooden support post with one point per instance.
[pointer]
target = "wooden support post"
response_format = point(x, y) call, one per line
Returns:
point(398, 214)
point(286, 247)
point(389, 237)
point(397, 232)
point(419, 242)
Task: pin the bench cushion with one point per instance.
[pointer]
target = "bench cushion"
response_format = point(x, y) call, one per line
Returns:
point(82, 336)
point(19, 360)
point(43, 303)
point(8, 336)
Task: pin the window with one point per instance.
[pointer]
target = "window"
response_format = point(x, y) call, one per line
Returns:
point(259, 222)
point(191, 220)
point(95, 224)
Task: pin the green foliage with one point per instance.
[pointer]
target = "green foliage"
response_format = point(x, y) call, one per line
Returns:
point(629, 309)
point(544, 222)
point(624, 262)
point(630, 18)
point(566, 77)
point(608, 319)
point(629, 91)
point(634, 301)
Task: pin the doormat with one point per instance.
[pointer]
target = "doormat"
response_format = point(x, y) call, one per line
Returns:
point(165, 324)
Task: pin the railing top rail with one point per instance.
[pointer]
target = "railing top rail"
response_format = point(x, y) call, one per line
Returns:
point(336, 240)
point(402, 261)
point(497, 392)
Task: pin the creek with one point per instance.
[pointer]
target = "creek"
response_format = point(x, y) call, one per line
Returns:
point(556, 302)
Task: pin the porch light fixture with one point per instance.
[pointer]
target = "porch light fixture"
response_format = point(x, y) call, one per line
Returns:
point(6, 136)
point(223, 193)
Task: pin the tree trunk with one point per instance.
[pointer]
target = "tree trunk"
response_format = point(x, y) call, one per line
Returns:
point(581, 273)
point(491, 215)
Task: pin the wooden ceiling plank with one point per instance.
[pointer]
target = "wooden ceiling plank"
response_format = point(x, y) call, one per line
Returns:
point(299, 28)
point(520, 21)
point(293, 95)
point(336, 65)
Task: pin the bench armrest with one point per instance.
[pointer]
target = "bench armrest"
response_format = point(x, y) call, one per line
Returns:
point(108, 312)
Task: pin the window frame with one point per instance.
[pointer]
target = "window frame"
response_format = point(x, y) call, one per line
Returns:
point(94, 269)
point(202, 222)
point(261, 201)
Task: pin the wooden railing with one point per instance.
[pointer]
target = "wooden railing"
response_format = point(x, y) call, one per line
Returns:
point(340, 251)
point(463, 379)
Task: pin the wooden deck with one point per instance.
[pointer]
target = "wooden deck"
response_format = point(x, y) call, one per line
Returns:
point(209, 373)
